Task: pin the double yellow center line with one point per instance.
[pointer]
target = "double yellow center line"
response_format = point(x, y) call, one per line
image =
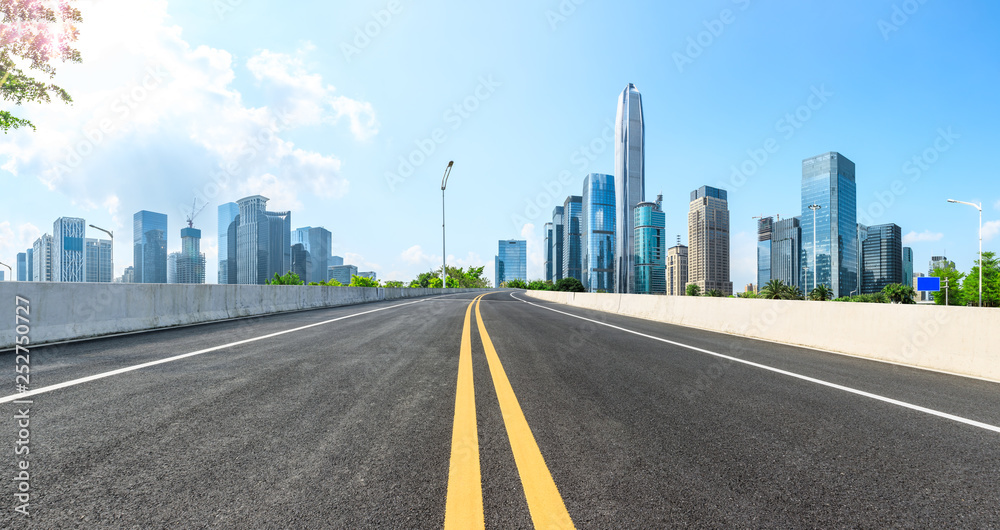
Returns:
point(464, 507)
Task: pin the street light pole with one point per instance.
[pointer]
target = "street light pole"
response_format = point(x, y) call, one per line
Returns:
point(814, 207)
point(444, 253)
point(980, 208)
point(112, 236)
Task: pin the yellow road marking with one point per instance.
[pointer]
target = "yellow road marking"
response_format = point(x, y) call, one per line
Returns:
point(544, 502)
point(464, 507)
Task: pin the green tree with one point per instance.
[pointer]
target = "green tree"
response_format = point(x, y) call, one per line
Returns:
point(394, 284)
point(955, 295)
point(571, 285)
point(714, 293)
point(32, 32)
point(540, 285)
point(363, 281)
point(516, 283)
point(774, 290)
point(991, 282)
point(821, 293)
point(290, 278)
point(898, 293)
point(693, 290)
point(433, 283)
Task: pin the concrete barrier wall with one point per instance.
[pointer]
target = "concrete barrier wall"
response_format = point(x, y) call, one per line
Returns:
point(63, 311)
point(961, 340)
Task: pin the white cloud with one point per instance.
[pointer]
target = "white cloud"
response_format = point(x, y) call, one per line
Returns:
point(997, 205)
point(536, 251)
point(925, 236)
point(154, 118)
point(14, 240)
point(281, 196)
point(991, 229)
point(415, 255)
point(350, 258)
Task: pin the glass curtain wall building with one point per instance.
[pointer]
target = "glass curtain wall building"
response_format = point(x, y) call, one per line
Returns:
point(548, 252)
point(557, 244)
point(908, 266)
point(343, 273)
point(263, 242)
point(573, 238)
point(630, 182)
point(227, 216)
point(649, 244)
point(315, 263)
point(765, 229)
point(68, 253)
point(511, 260)
point(42, 253)
point(149, 238)
point(22, 266)
point(786, 243)
point(191, 261)
point(883, 264)
point(828, 180)
point(31, 264)
point(99, 263)
point(598, 233)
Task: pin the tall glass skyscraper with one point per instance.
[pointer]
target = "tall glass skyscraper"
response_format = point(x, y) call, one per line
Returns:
point(263, 242)
point(765, 228)
point(786, 243)
point(650, 248)
point(227, 216)
point(511, 260)
point(598, 233)
point(548, 252)
point(42, 254)
point(828, 181)
point(190, 261)
point(883, 263)
point(573, 238)
point(22, 267)
point(68, 256)
point(31, 264)
point(316, 243)
point(630, 182)
point(557, 243)
point(149, 239)
point(908, 266)
point(99, 264)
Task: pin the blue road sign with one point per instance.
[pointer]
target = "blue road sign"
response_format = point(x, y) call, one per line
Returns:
point(928, 283)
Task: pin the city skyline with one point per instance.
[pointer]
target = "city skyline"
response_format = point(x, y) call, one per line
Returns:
point(748, 137)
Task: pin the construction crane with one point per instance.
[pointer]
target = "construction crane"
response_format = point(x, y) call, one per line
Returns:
point(758, 217)
point(194, 212)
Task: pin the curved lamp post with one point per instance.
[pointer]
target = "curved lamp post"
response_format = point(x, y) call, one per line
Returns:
point(444, 254)
point(980, 208)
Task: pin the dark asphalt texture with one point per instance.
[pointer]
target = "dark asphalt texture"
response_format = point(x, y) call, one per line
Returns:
point(348, 425)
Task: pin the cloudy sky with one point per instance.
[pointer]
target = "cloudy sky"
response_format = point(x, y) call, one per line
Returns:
point(346, 113)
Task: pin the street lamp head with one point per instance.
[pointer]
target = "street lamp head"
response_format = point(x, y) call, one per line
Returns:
point(814, 207)
point(447, 172)
point(952, 200)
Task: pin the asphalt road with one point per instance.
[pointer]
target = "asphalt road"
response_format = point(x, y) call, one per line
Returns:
point(350, 423)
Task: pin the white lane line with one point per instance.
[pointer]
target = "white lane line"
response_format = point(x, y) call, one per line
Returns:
point(855, 391)
point(80, 381)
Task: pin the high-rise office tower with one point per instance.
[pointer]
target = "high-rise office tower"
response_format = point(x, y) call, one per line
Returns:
point(511, 260)
point(190, 261)
point(708, 234)
point(42, 253)
point(316, 243)
point(343, 273)
point(227, 216)
point(172, 266)
point(558, 244)
point(301, 262)
point(939, 262)
point(828, 182)
point(22, 266)
point(128, 275)
point(572, 238)
point(548, 252)
point(99, 262)
point(31, 264)
point(263, 242)
point(677, 270)
point(335, 261)
point(786, 258)
point(149, 239)
point(598, 233)
point(765, 229)
point(882, 251)
point(650, 247)
point(630, 182)
point(68, 257)
point(908, 267)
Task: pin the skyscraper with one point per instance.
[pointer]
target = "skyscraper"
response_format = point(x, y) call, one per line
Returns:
point(190, 260)
point(908, 267)
point(31, 264)
point(343, 273)
point(263, 242)
point(22, 267)
point(708, 234)
point(548, 252)
point(99, 262)
point(765, 228)
point(786, 258)
point(227, 216)
point(573, 238)
point(630, 182)
point(316, 243)
point(677, 270)
point(42, 253)
point(557, 244)
point(650, 246)
point(828, 181)
point(68, 258)
point(598, 233)
point(883, 263)
point(511, 260)
point(939, 262)
point(172, 266)
point(149, 238)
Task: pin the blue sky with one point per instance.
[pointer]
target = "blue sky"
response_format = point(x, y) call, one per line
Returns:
point(304, 111)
